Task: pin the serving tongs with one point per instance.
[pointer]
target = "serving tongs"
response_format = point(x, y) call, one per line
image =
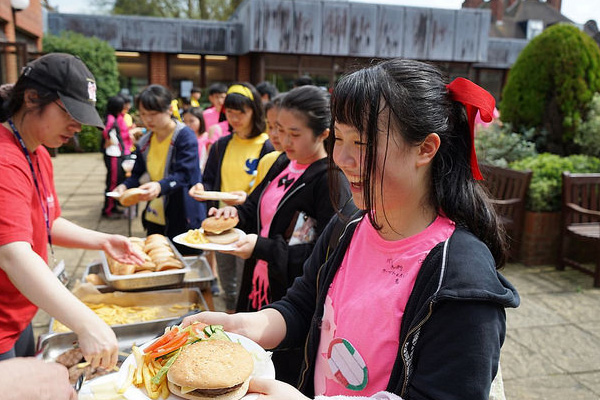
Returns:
point(77, 386)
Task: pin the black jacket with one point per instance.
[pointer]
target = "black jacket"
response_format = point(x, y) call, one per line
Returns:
point(182, 170)
point(453, 325)
point(308, 195)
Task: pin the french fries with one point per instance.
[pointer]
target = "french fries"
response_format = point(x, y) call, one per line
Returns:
point(152, 364)
point(141, 375)
point(116, 315)
point(195, 236)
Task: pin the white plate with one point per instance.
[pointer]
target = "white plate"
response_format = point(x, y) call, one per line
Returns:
point(263, 368)
point(208, 246)
point(212, 195)
point(116, 195)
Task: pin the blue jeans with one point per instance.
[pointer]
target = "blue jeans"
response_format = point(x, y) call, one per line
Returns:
point(230, 270)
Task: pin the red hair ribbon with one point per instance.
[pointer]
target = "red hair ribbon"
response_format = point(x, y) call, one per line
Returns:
point(474, 98)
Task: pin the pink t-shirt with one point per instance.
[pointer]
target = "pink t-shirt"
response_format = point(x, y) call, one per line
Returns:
point(268, 206)
point(275, 191)
point(211, 117)
point(364, 308)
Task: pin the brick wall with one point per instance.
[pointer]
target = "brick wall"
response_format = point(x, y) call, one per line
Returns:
point(158, 69)
point(541, 238)
point(244, 67)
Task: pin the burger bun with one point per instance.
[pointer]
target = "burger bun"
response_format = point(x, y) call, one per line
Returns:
point(131, 196)
point(227, 237)
point(217, 225)
point(233, 395)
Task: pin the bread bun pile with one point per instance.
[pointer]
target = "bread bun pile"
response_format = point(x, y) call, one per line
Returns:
point(131, 197)
point(158, 256)
point(220, 230)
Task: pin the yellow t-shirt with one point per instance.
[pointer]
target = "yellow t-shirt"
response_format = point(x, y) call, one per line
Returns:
point(194, 102)
point(155, 165)
point(128, 120)
point(264, 165)
point(240, 161)
point(175, 109)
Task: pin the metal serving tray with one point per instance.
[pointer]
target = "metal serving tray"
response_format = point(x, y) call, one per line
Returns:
point(51, 345)
point(145, 280)
point(199, 275)
point(192, 295)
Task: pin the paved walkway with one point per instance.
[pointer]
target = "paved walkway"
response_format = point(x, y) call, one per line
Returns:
point(552, 348)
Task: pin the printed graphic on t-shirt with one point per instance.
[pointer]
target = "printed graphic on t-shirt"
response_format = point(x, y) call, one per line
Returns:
point(347, 365)
point(343, 363)
point(285, 181)
point(251, 166)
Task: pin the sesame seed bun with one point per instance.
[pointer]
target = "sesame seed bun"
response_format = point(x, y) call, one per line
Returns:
point(218, 225)
point(217, 369)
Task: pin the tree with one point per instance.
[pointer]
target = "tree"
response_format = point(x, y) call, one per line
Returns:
point(219, 10)
point(551, 84)
point(100, 58)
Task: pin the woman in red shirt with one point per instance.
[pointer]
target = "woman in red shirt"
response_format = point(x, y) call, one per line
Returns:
point(50, 102)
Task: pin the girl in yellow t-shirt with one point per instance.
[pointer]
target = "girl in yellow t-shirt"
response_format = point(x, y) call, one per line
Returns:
point(231, 167)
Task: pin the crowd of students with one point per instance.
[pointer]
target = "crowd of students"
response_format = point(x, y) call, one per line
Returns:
point(370, 261)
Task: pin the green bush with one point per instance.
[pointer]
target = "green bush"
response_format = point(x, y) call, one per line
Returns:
point(588, 134)
point(499, 145)
point(100, 58)
point(546, 183)
point(551, 84)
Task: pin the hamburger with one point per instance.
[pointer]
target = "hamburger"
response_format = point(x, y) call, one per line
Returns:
point(220, 230)
point(211, 370)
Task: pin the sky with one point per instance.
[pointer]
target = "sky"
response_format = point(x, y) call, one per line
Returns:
point(579, 11)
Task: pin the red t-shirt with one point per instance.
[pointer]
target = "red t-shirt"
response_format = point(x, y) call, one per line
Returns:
point(22, 220)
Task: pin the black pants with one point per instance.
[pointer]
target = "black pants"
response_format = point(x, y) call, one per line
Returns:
point(114, 176)
point(24, 347)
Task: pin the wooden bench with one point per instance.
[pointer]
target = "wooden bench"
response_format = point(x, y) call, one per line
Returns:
point(508, 189)
point(581, 219)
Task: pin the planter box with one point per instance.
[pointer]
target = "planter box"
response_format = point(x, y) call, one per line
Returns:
point(541, 238)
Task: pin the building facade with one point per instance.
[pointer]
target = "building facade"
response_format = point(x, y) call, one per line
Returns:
point(20, 38)
point(279, 40)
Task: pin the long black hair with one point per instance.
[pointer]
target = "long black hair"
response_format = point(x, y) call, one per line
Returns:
point(409, 98)
point(114, 106)
point(237, 101)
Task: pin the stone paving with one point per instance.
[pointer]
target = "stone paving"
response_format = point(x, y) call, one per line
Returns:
point(552, 347)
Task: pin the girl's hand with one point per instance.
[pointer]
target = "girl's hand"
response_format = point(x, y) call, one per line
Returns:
point(120, 189)
point(195, 191)
point(212, 318)
point(241, 198)
point(153, 189)
point(271, 389)
point(121, 249)
point(99, 344)
point(244, 247)
point(225, 212)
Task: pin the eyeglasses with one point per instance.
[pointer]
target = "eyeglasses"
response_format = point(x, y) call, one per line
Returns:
point(61, 107)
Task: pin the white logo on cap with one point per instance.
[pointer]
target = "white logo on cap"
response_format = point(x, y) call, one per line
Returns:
point(92, 91)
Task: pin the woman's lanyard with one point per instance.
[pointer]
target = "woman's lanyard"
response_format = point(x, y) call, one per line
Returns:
point(44, 205)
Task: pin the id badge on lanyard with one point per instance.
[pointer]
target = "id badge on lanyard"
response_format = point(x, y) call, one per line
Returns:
point(58, 267)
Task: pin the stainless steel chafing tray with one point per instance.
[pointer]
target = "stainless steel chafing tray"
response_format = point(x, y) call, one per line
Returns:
point(199, 274)
point(145, 280)
point(148, 298)
point(51, 345)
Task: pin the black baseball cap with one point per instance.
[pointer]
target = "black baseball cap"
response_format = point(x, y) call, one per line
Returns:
point(72, 80)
